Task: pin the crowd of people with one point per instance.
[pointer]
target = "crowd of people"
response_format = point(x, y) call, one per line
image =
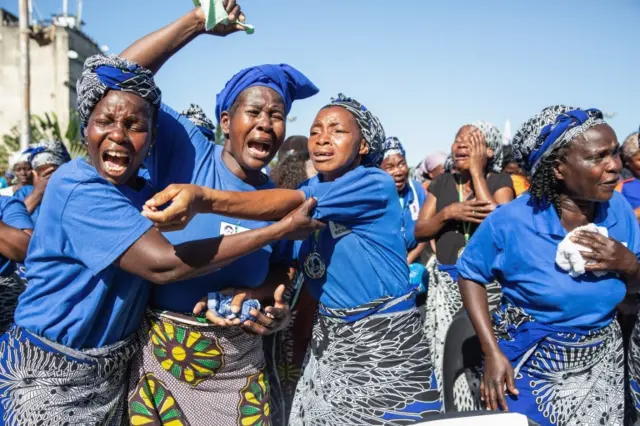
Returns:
point(168, 280)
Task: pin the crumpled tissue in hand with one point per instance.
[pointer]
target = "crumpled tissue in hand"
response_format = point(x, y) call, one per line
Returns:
point(568, 256)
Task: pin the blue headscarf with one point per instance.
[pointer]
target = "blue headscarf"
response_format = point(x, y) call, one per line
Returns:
point(287, 81)
point(393, 146)
point(370, 127)
point(110, 72)
point(554, 128)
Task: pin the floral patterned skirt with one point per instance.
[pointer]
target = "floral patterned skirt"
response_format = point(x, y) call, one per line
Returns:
point(190, 372)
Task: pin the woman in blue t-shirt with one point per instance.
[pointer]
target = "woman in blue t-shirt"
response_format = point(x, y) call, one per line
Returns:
point(93, 257)
point(630, 188)
point(412, 197)
point(368, 361)
point(15, 233)
point(555, 350)
point(45, 158)
point(251, 110)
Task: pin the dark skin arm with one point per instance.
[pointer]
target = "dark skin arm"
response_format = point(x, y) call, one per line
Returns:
point(185, 201)
point(608, 255)
point(415, 253)
point(40, 181)
point(155, 259)
point(14, 242)
point(498, 371)
point(153, 50)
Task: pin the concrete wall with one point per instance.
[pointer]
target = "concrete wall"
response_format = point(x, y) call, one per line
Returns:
point(53, 74)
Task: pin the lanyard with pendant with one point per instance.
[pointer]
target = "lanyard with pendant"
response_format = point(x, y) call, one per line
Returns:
point(314, 265)
point(466, 226)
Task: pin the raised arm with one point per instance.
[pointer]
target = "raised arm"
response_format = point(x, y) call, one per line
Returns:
point(154, 258)
point(153, 50)
point(185, 201)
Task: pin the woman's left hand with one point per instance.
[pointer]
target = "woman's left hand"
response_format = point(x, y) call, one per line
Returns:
point(274, 319)
point(606, 254)
point(477, 152)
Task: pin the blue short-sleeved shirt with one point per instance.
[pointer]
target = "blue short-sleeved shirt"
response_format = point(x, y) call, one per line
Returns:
point(362, 246)
point(12, 213)
point(21, 194)
point(414, 197)
point(75, 296)
point(518, 247)
point(183, 155)
point(631, 192)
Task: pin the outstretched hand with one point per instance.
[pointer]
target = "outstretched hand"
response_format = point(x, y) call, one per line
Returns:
point(223, 29)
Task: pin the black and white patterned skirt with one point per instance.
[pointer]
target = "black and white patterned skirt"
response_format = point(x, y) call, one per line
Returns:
point(373, 371)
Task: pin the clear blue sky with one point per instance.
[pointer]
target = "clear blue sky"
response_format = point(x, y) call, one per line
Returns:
point(425, 69)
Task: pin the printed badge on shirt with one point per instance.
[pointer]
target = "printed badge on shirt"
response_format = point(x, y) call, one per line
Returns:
point(338, 230)
point(231, 229)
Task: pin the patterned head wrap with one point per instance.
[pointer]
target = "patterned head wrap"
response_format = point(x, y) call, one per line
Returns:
point(553, 128)
point(493, 138)
point(448, 164)
point(18, 157)
point(196, 115)
point(287, 81)
point(370, 127)
point(48, 152)
point(630, 147)
point(110, 72)
point(393, 146)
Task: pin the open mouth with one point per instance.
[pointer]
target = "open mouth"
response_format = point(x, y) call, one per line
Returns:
point(116, 162)
point(322, 156)
point(259, 149)
point(610, 183)
point(460, 157)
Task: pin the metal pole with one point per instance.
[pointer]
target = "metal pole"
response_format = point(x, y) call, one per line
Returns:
point(25, 122)
point(79, 15)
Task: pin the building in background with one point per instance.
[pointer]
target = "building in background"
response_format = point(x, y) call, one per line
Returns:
point(57, 50)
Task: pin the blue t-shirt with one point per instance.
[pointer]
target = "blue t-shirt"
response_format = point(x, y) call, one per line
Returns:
point(362, 247)
point(414, 197)
point(182, 154)
point(76, 296)
point(518, 247)
point(631, 191)
point(13, 213)
point(21, 194)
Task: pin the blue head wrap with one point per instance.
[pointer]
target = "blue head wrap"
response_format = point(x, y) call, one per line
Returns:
point(110, 72)
point(554, 128)
point(287, 81)
point(370, 127)
point(393, 146)
point(196, 115)
point(48, 152)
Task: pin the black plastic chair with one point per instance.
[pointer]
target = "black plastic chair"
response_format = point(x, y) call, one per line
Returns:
point(461, 351)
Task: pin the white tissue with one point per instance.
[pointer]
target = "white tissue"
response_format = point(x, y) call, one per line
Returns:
point(568, 256)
